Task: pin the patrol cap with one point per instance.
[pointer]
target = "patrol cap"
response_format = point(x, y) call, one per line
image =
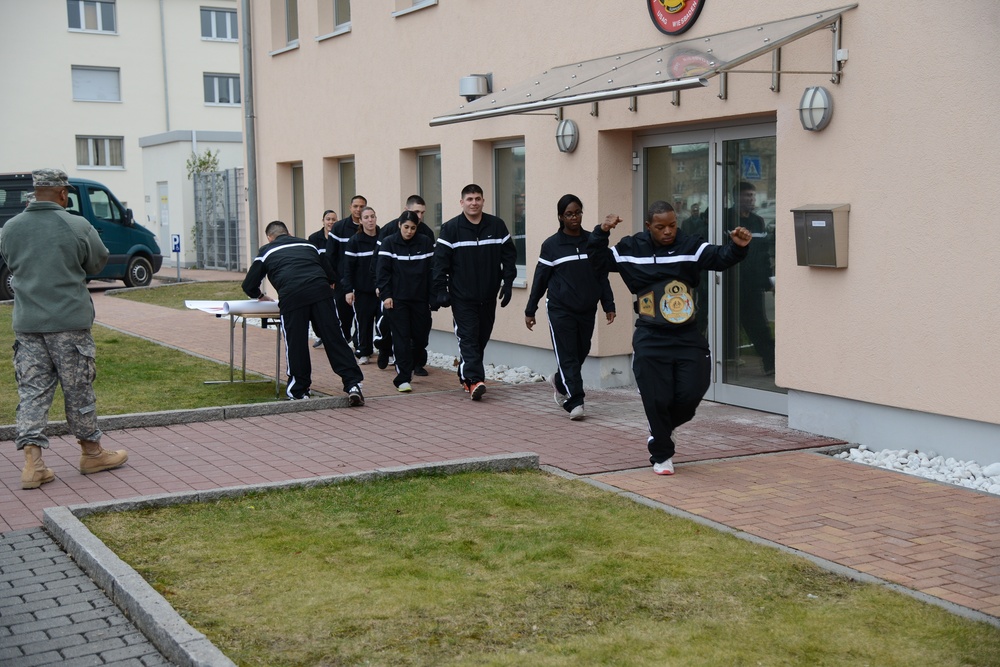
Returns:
point(49, 178)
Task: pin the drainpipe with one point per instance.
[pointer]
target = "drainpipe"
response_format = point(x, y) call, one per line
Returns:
point(163, 51)
point(250, 133)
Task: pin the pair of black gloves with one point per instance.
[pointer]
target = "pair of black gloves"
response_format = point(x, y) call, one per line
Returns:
point(506, 290)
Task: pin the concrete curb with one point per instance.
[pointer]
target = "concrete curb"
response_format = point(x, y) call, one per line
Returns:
point(150, 611)
point(170, 417)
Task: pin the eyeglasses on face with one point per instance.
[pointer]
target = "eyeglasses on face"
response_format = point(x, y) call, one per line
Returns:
point(573, 214)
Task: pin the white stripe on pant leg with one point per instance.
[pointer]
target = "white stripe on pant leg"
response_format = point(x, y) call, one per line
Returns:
point(555, 349)
point(461, 361)
point(288, 367)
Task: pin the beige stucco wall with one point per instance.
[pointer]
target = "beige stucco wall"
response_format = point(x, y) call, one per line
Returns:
point(908, 324)
point(40, 119)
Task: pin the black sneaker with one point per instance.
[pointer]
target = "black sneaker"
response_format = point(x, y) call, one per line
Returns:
point(422, 372)
point(318, 343)
point(355, 397)
point(382, 361)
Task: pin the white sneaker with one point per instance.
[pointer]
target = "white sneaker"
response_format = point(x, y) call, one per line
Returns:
point(405, 387)
point(363, 360)
point(557, 395)
point(576, 414)
point(665, 468)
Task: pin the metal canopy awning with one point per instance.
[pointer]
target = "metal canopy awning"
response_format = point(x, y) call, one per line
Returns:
point(667, 67)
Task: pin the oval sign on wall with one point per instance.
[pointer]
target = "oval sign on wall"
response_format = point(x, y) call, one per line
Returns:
point(674, 16)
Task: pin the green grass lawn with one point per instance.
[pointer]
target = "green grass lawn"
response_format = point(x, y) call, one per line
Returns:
point(511, 569)
point(136, 375)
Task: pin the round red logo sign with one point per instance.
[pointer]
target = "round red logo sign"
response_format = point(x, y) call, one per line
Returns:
point(674, 16)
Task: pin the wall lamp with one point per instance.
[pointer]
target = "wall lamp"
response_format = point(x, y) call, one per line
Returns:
point(816, 108)
point(567, 136)
point(475, 85)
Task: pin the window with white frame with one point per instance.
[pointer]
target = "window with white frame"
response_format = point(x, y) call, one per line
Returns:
point(100, 152)
point(96, 84)
point(508, 186)
point(222, 89)
point(91, 15)
point(218, 24)
point(429, 187)
point(341, 13)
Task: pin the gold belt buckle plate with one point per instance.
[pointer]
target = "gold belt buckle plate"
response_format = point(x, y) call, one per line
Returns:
point(676, 304)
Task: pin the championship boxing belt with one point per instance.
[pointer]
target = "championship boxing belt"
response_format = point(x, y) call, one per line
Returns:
point(669, 302)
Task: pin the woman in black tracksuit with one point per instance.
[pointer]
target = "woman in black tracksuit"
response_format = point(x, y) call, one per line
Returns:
point(358, 285)
point(403, 278)
point(671, 359)
point(575, 285)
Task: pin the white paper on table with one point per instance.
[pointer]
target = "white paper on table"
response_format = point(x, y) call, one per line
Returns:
point(239, 308)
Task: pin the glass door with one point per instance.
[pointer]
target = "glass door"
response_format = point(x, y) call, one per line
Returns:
point(716, 180)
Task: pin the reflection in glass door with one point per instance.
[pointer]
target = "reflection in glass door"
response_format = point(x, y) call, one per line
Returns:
point(747, 336)
point(717, 180)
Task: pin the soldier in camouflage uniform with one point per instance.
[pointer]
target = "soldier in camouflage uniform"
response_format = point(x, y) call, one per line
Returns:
point(50, 253)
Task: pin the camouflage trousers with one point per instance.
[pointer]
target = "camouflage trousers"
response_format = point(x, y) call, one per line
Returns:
point(41, 360)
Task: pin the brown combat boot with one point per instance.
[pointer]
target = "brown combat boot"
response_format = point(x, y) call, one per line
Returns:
point(35, 473)
point(95, 459)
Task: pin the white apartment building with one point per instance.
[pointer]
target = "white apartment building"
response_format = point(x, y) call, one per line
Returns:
point(889, 343)
point(121, 92)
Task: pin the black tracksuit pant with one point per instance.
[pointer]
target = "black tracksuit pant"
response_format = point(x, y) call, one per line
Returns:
point(672, 380)
point(473, 328)
point(383, 332)
point(571, 336)
point(295, 330)
point(366, 307)
point(410, 322)
point(345, 313)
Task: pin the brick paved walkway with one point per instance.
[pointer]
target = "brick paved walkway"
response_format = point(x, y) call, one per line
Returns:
point(739, 468)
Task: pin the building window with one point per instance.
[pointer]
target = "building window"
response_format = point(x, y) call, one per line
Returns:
point(222, 89)
point(429, 187)
point(508, 176)
point(404, 7)
point(218, 24)
point(100, 152)
point(91, 15)
point(341, 14)
point(348, 185)
point(96, 84)
point(291, 22)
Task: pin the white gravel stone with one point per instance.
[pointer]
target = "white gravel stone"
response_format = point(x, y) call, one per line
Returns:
point(930, 465)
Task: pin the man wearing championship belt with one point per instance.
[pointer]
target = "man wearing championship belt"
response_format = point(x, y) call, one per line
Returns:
point(672, 363)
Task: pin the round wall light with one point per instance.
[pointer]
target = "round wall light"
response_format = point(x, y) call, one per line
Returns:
point(567, 136)
point(816, 108)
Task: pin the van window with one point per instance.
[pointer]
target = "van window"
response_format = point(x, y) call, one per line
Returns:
point(104, 208)
point(74, 203)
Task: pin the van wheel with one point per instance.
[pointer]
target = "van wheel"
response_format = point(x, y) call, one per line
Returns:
point(6, 289)
point(139, 273)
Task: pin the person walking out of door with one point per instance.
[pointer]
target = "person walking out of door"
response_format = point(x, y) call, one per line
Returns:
point(575, 286)
point(671, 360)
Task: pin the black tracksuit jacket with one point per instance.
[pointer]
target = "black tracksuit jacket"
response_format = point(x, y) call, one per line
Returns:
point(573, 279)
point(336, 242)
point(642, 264)
point(403, 271)
point(470, 261)
point(359, 257)
point(296, 269)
